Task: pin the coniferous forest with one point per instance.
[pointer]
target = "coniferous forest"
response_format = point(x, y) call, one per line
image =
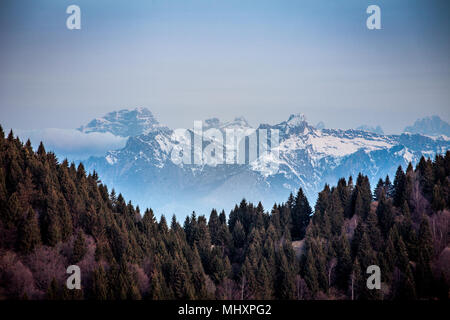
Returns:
point(53, 215)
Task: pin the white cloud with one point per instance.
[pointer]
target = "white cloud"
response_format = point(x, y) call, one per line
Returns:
point(71, 143)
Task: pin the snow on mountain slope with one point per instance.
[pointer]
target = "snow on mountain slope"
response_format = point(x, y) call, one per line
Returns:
point(308, 158)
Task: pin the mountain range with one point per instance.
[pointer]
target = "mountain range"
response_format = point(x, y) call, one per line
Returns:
point(431, 126)
point(308, 158)
point(376, 129)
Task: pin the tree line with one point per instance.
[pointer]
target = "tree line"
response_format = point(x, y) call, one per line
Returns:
point(56, 214)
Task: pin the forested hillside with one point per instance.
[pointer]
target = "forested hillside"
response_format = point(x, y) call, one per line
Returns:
point(53, 215)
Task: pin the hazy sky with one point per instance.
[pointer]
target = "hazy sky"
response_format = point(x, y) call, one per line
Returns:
point(188, 60)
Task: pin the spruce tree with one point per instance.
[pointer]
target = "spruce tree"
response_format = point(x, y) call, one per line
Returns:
point(366, 255)
point(13, 211)
point(301, 214)
point(399, 187)
point(285, 279)
point(28, 234)
point(426, 241)
point(79, 248)
point(311, 273)
point(388, 187)
point(438, 202)
point(373, 231)
point(238, 235)
point(214, 227)
point(378, 189)
point(99, 284)
point(344, 263)
point(385, 215)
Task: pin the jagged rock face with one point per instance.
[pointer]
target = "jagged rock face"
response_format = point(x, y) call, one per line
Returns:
point(367, 128)
point(308, 158)
point(431, 126)
point(124, 123)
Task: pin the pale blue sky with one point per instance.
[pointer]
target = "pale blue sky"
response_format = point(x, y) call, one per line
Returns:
point(187, 60)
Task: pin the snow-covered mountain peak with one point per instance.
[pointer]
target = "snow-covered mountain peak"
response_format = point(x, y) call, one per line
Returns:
point(430, 126)
point(237, 123)
point(124, 123)
point(296, 120)
point(211, 123)
point(296, 124)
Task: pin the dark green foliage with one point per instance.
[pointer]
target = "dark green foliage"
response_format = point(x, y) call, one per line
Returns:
point(380, 188)
point(385, 215)
point(344, 264)
point(79, 248)
point(399, 187)
point(300, 213)
point(28, 233)
point(362, 196)
point(388, 187)
point(99, 284)
point(238, 235)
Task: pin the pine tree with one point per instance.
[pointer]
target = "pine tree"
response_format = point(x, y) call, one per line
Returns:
point(301, 214)
point(50, 221)
point(13, 211)
point(291, 201)
point(438, 202)
point(163, 225)
point(3, 197)
point(355, 280)
point(182, 288)
point(374, 233)
point(426, 174)
point(378, 189)
point(405, 287)
point(222, 217)
point(99, 284)
point(66, 219)
point(264, 289)
point(311, 273)
point(157, 292)
point(388, 188)
point(423, 275)
point(79, 248)
point(385, 215)
point(402, 255)
point(41, 150)
point(214, 227)
point(358, 207)
point(28, 234)
point(337, 213)
point(344, 264)
point(238, 235)
point(399, 187)
point(285, 279)
point(366, 256)
point(390, 250)
point(426, 241)
point(362, 191)
point(357, 237)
